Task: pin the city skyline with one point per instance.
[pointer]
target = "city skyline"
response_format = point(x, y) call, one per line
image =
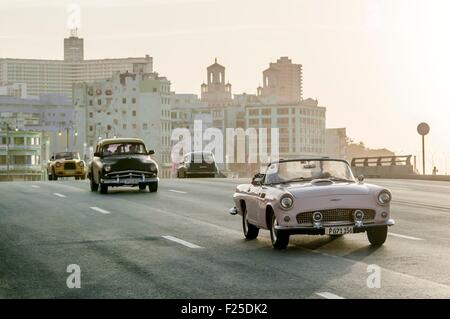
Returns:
point(388, 65)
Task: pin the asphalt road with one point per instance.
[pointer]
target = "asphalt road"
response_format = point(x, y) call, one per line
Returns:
point(182, 243)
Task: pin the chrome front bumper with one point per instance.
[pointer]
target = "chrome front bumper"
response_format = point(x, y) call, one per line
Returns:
point(125, 181)
point(320, 229)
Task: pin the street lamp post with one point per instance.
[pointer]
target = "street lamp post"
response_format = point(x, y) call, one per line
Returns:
point(423, 129)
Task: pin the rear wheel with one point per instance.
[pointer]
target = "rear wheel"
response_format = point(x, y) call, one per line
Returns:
point(377, 236)
point(153, 187)
point(250, 231)
point(280, 240)
point(94, 185)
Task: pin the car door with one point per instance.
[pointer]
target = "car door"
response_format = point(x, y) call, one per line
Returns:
point(252, 203)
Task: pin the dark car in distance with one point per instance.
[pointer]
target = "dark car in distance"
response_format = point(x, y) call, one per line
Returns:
point(122, 162)
point(197, 164)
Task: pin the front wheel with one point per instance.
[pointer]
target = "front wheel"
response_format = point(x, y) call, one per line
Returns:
point(142, 186)
point(280, 240)
point(153, 187)
point(377, 236)
point(103, 188)
point(250, 231)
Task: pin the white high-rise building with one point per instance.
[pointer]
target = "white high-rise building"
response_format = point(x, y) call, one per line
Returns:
point(126, 105)
point(58, 76)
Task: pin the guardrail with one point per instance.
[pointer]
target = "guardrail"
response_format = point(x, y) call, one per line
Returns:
point(383, 166)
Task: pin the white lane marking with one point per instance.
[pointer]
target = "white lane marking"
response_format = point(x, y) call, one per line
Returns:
point(182, 242)
point(175, 191)
point(35, 186)
point(404, 236)
point(100, 210)
point(59, 195)
point(329, 295)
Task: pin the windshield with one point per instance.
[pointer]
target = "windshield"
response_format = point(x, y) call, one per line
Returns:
point(67, 155)
point(123, 148)
point(308, 170)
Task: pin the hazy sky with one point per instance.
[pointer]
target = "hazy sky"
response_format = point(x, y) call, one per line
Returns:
point(379, 66)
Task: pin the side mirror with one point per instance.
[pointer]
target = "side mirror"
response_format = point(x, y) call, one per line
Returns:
point(151, 152)
point(52, 158)
point(361, 178)
point(257, 179)
point(98, 154)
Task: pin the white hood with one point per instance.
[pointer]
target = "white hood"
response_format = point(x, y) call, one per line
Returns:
point(306, 190)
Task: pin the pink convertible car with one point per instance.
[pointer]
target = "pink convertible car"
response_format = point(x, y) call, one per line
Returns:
point(312, 196)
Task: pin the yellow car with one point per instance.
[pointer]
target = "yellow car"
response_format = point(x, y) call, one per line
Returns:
point(66, 164)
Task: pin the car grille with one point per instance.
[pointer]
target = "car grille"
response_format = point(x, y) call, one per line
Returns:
point(335, 215)
point(124, 175)
point(69, 165)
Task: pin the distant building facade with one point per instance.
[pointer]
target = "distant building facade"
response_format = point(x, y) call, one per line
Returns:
point(20, 155)
point(336, 142)
point(126, 105)
point(58, 76)
point(278, 104)
point(216, 92)
point(283, 82)
point(13, 89)
point(50, 114)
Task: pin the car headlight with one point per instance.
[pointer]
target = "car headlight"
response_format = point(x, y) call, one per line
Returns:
point(286, 201)
point(81, 164)
point(107, 168)
point(384, 197)
point(58, 164)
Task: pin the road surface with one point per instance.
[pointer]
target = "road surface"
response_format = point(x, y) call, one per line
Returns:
point(182, 243)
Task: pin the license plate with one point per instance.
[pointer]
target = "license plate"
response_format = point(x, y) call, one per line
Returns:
point(204, 166)
point(131, 181)
point(341, 230)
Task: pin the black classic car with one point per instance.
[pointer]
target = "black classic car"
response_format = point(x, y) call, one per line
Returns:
point(122, 162)
point(197, 164)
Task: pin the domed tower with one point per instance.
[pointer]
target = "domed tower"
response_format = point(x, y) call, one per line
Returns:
point(215, 91)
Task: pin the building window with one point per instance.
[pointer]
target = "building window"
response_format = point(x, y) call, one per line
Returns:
point(144, 126)
point(155, 90)
point(283, 121)
point(124, 101)
point(108, 127)
point(254, 112)
point(124, 126)
point(266, 111)
point(283, 111)
point(19, 141)
point(134, 126)
point(133, 100)
point(99, 102)
point(134, 113)
point(91, 128)
point(91, 103)
point(91, 115)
